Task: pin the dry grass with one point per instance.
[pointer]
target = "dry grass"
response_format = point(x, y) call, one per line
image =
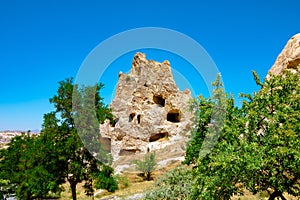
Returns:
point(260, 196)
point(137, 184)
point(67, 194)
point(247, 196)
point(134, 188)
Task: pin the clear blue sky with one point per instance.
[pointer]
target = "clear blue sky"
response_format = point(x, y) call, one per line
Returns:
point(43, 42)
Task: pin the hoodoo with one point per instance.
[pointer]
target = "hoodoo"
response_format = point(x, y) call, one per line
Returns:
point(151, 112)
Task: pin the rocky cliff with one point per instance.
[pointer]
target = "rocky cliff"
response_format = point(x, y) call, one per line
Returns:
point(289, 58)
point(151, 112)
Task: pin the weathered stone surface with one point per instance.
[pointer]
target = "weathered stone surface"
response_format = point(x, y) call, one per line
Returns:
point(289, 58)
point(151, 112)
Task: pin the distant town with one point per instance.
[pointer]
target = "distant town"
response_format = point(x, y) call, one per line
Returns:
point(6, 136)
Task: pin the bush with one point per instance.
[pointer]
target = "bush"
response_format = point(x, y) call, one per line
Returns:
point(175, 184)
point(123, 181)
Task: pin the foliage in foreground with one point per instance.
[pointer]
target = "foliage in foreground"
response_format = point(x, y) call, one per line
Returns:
point(258, 148)
point(273, 134)
point(75, 106)
point(175, 184)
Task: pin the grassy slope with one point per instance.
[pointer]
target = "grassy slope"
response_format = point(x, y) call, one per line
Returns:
point(136, 184)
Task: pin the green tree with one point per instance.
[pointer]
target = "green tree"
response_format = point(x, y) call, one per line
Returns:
point(218, 174)
point(147, 166)
point(272, 132)
point(210, 115)
point(36, 166)
point(28, 169)
point(258, 148)
point(203, 107)
point(77, 162)
point(218, 123)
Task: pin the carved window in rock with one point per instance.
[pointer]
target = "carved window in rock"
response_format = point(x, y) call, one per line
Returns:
point(127, 152)
point(131, 116)
point(174, 115)
point(159, 100)
point(139, 119)
point(158, 136)
point(115, 121)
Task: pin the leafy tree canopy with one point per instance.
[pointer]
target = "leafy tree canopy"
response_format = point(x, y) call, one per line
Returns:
point(29, 167)
point(258, 148)
point(36, 166)
point(77, 150)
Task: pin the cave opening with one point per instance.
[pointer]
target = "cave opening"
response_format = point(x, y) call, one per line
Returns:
point(114, 122)
point(159, 100)
point(127, 152)
point(139, 119)
point(131, 116)
point(158, 136)
point(174, 116)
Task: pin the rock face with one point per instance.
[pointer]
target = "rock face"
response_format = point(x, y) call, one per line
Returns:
point(151, 112)
point(289, 58)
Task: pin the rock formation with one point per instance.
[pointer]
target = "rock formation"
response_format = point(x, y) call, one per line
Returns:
point(151, 112)
point(289, 58)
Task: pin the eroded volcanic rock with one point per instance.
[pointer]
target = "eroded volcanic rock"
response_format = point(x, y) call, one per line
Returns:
point(151, 112)
point(289, 58)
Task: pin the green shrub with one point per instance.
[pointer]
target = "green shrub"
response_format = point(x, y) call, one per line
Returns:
point(123, 181)
point(175, 184)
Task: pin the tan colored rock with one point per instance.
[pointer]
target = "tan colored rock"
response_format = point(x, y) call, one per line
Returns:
point(289, 58)
point(151, 112)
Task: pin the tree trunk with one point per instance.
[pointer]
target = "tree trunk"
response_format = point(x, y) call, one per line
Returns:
point(148, 176)
point(73, 189)
point(275, 194)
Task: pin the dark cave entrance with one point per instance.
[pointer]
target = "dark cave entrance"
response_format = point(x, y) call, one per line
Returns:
point(159, 100)
point(158, 136)
point(131, 116)
point(174, 116)
point(127, 152)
